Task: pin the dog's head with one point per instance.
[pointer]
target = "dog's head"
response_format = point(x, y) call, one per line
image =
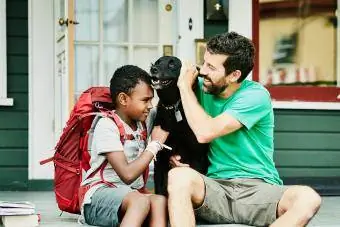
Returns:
point(165, 72)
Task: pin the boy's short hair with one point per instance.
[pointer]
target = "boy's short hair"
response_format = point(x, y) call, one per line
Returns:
point(125, 79)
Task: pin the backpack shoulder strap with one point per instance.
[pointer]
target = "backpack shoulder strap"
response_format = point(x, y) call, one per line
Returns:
point(120, 126)
point(144, 132)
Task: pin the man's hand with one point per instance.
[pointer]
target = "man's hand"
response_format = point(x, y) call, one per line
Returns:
point(175, 162)
point(188, 76)
point(159, 134)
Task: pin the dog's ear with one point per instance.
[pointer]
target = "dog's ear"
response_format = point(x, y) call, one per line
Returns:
point(195, 85)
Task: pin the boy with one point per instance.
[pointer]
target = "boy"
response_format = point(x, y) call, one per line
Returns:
point(122, 204)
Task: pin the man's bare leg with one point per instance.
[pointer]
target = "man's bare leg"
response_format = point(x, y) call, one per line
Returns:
point(297, 206)
point(186, 190)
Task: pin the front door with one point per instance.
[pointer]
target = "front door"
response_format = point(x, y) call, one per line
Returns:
point(64, 75)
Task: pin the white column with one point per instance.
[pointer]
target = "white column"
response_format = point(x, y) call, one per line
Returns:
point(4, 101)
point(41, 86)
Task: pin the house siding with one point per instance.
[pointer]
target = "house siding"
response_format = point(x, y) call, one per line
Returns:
point(307, 148)
point(14, 119)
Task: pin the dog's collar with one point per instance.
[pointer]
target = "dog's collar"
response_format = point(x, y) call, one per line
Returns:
point(172, 107)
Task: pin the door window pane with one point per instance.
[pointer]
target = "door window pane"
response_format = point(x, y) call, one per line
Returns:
point(115, 20)
point(298, 41)
point(144, 56)
point(87, 14)
point(145, 21)
point(114, 57)
point(86, 67)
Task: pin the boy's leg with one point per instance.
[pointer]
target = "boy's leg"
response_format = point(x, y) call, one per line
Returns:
point(134, 209)
point(297, 206)
point(105, 204)
point(159, 211)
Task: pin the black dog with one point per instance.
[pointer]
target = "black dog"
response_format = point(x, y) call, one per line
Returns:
point(170, 116)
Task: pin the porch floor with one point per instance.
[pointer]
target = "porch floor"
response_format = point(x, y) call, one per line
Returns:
point(328, 215)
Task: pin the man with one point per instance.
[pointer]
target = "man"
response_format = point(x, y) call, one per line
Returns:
point(236, 117)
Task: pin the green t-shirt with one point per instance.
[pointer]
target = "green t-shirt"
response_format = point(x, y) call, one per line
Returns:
point(247, 152)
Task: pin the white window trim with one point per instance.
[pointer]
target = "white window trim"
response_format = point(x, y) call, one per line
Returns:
point(4, 101)
point(298, 105)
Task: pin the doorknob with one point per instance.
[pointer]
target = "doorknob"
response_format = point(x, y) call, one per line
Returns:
point(62, 21)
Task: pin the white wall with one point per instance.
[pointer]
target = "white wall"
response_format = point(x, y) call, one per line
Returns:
point(240, 19)
point(187, 9)
point(41, 88)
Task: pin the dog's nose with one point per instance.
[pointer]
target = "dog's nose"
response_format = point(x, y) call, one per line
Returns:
point(154, 70)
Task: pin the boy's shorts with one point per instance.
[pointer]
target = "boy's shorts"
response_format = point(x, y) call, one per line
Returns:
point(104, 206)
point(242, 201)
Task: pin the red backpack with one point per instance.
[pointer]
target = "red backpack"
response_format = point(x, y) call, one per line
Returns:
point(71, 155)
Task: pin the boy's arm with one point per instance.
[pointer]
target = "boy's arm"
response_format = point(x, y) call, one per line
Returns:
point(159, 134)
point(107, 139)
point(129, 172)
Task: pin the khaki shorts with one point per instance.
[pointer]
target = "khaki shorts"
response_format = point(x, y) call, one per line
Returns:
point(241, 201)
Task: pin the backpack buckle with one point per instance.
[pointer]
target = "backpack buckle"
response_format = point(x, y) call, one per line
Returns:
point(97, 105)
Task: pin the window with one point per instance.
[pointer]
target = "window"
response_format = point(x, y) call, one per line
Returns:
point(111, 35)
point(4, 101)
point(298, 49)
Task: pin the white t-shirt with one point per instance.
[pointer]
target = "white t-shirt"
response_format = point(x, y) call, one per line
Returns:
point(106, 138)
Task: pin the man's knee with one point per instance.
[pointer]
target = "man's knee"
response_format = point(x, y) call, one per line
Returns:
point(306, 200)
point(180, 179)
point(310, 199)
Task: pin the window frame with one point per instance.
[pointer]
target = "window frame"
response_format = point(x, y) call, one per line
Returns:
point(4, 101)
point(297, 97)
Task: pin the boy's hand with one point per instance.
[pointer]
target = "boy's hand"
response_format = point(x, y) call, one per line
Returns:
point(188, 76)
point(154, 146)
point(159, 134)
point(175, 162)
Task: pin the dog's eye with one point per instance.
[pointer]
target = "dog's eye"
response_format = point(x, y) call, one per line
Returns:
point(171, 65)
point(153, 70)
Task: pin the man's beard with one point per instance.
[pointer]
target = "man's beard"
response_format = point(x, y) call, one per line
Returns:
point(214, 89)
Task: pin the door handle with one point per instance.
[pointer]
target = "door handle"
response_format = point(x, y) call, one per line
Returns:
point(66, 22)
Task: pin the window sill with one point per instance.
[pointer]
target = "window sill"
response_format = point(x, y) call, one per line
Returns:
point(306, 105)
point(6, 102)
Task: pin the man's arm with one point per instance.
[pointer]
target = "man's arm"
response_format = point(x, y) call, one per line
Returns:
point(205, 127)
